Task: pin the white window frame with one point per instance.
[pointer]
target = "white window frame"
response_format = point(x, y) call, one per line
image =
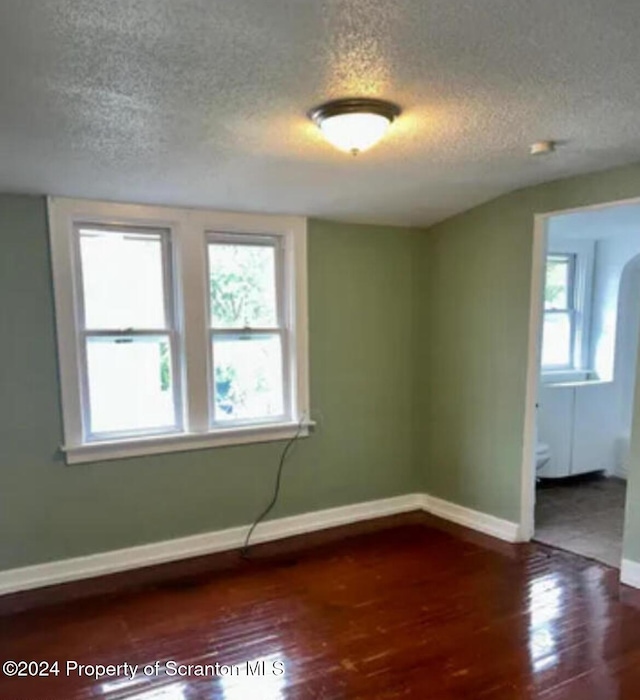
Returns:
point(283, 320)
point(170, 330)
point(570, 310)
point(583, 253)
point(189, 230)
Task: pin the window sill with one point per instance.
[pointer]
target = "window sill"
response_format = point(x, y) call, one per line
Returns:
point(577, 383)
point(562, 376)
point(138, 447)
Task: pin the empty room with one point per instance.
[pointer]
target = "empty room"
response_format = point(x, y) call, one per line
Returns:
point(319, 350)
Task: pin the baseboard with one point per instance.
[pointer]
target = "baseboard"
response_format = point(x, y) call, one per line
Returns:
point(101, 564)
point(77, 568)
point(93, 565)
point(630, 573)
point(474, 519)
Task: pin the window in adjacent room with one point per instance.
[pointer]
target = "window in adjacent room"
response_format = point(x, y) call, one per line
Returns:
point(177, 329)
point(560, 313)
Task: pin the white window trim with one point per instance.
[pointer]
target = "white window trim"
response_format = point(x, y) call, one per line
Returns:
point(584, 252)
point(170, 329)
point(571, 310)
point(284, 322)
point(189, 229)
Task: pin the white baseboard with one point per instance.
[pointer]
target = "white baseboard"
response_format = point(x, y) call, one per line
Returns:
point(103, 563)
point(474, 519)
point(630, 573)
point(139, 556)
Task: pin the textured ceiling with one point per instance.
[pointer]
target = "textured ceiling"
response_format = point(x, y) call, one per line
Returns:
point(203, 102)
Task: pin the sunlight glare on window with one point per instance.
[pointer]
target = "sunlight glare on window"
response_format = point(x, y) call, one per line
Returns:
point(556, 341)
point(127, 338)
point(122, 278)
point(130, 384)
point(248, 377)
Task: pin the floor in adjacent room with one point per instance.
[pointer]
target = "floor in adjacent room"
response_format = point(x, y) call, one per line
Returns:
point(423, 610)
point(583, 515)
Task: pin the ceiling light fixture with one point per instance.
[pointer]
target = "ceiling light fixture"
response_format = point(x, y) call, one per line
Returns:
point(354, 124)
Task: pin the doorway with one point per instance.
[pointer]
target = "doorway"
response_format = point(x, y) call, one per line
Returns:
point(584, 329)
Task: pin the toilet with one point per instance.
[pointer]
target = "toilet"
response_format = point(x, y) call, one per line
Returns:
point(543, 455)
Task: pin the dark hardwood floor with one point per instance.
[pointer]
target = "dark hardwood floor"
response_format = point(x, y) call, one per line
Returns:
point(422, 610)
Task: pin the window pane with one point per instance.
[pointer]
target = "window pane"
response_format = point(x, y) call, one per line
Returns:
point(248, 377)
point(130, 384)
point(122, 277)
point(556, 340)
point(243, 286)
point(558, 282)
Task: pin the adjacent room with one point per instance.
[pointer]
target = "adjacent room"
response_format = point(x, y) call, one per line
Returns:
point(588, 370)
point(320, 329)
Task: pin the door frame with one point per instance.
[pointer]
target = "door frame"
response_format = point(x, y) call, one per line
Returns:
point(534, 348)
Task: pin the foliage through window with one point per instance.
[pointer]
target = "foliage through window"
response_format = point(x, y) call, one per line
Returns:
point(247, 328)
point(173, 337)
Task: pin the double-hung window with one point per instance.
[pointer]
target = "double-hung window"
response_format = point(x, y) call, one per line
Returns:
point(560, 313)
point(177, 329)
point(128, 340)
point(249, 348)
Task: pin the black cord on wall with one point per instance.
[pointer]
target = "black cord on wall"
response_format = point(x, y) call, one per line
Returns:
point(276, 492)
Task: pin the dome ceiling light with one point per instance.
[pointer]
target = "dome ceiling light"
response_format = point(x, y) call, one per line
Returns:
point(354, 124)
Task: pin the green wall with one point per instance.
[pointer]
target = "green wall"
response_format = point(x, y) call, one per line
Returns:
point(407, 330)
point(360, 296)
point(471, 311)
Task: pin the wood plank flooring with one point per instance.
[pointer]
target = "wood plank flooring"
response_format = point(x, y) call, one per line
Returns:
point(421, 610)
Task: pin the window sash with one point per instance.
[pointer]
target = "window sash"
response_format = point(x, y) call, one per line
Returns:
point(282, 330)
point(570, 260)
point(169, 330)
point(572, 315)
point(280, 333)
point(252, 241)
point(168, 286)
point(569, 310)
point(98, 436)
